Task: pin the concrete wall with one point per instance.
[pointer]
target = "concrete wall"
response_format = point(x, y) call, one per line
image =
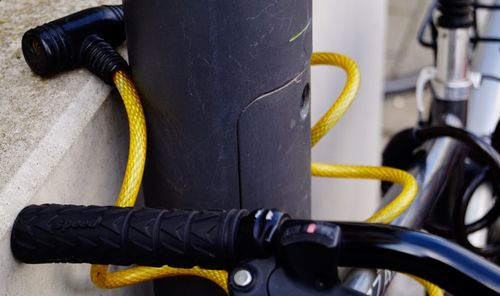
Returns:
point(90, 172)
point(62, 140)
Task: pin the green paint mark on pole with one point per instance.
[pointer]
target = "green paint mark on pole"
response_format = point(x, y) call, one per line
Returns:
point(296, 36)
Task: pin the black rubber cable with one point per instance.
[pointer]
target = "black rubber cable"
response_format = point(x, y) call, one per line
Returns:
point(402, 148)
point(486, 155)
point(486, 6)
point(486, 39)
point(484, 152)
point(490, 77)
point(423, 28)
point(462, 230)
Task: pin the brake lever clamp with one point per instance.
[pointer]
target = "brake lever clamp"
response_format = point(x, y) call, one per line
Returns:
point(309, 251)
point(305, 264)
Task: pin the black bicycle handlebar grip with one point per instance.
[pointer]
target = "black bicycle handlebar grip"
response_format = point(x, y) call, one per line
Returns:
point(126, 236)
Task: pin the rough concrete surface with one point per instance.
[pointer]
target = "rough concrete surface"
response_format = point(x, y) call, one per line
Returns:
point(89, 173)
point(61, 140)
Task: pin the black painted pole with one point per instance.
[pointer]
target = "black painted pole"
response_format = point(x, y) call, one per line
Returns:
point(225, 87)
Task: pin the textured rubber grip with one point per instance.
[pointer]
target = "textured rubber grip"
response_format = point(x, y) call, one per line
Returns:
point(125, 236)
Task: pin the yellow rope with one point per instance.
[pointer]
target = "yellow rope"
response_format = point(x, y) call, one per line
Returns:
point(392, 210)
point(128, 195)
point(344, 101)
point(432, 289)
point(325, 124)
point(137, 155)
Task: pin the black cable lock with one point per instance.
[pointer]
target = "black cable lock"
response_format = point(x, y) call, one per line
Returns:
point(83, 38)
point(402, 148)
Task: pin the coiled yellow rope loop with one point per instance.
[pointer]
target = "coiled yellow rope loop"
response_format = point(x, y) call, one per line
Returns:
point(396, 207)
point(128, 195)
point(325, 124)
point(136, 162)
point(137, 156)
point(344, 101)
point(339, 108)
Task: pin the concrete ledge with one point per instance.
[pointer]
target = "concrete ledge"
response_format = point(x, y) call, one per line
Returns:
point(89, 172)
point(62, 140)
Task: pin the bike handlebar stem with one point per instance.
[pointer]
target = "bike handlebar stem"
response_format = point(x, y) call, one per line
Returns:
point(453, 82)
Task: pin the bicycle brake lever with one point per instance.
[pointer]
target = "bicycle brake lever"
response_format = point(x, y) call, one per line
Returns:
point(265, 277)
point(309, 250)
point(305, 264)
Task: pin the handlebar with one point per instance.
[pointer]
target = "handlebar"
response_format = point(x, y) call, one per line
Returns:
point(307, 251)
point(124, 236)
point(448, 265)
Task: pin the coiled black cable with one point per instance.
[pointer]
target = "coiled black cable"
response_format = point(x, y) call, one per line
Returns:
point(462, 230)
point(490, 77)
point(485, 155)
point(402, 148)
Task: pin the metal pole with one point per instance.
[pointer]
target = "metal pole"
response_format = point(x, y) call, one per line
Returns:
point(226, 93)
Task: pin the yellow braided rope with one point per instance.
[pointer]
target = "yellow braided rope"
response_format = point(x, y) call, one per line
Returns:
point(346, 98)
point(128, 195)
point(137, 154)
point(325, 124)
point(112, 280)
point(392, 210)
point(432, 289)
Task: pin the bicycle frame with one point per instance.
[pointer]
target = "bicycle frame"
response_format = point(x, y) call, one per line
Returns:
point(433, 171)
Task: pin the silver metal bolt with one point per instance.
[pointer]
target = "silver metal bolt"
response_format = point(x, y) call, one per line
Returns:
point(242, 278)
